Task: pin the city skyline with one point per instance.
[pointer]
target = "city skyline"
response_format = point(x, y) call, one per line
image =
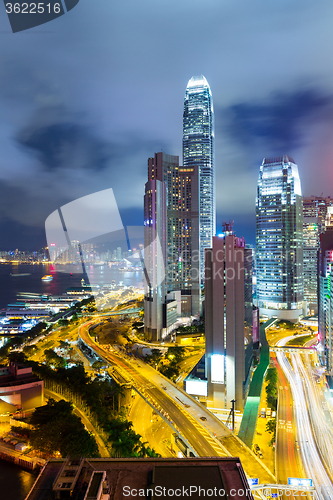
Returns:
point(87, 110)
point(159, 352)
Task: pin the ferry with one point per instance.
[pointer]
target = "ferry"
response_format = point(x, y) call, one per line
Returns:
point(20, 274)
point(47, 277)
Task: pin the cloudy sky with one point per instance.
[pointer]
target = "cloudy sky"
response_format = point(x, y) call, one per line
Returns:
point(88, 97)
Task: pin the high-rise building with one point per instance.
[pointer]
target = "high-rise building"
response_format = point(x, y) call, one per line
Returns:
point(154, 257)
point(228, 320)
point(198, 150)
point(311, 233)
point(172, 214)
point(279, 239)
point(316, 206)
point(325, 291)
point(314, 214)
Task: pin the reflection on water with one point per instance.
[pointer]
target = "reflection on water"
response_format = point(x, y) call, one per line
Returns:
point(15, 482)
point(31, 279)
point(102, 275)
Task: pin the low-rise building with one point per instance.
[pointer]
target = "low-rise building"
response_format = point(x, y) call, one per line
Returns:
point(19, 387)
point(106, 478)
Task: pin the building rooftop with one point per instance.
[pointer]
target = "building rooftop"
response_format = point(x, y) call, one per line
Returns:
point(106, 478)
point(278, 159)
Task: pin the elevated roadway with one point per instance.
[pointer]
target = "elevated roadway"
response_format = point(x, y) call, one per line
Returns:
point(205, 433)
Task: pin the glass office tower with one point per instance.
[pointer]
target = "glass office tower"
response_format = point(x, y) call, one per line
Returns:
point(198, 149)
point(279, 239)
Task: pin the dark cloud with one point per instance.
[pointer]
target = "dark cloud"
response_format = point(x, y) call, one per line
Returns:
point(279, 124)
point(66, 160)
point(88, 100)
point(66, 144)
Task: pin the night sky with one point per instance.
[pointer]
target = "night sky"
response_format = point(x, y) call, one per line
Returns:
point(87, 98)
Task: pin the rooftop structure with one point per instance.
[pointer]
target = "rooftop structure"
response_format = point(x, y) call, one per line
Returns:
point(103, 479)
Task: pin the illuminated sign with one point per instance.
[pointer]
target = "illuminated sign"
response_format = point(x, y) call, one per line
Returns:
point(217, 369)
point(253, 481)
point(196, 387)
point(297, 481)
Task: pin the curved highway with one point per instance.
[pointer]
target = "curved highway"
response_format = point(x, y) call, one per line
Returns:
point(311, 458)
point(201, 440)
point(182, 410)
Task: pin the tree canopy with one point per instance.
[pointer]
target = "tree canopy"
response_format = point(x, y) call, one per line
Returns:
point(57, 428)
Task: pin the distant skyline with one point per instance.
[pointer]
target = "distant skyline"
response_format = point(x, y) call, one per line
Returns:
point(87, 99)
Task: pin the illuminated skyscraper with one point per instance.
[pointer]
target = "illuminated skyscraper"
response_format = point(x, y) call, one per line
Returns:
point(311, 234)
point(279, 239)
point(198, 149)
point(314, 213)
point(325, 300)
point(171, 207)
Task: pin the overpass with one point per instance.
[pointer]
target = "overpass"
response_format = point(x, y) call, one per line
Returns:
point(206, 435)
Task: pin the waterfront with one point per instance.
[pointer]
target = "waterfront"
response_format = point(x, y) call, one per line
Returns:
point(16, 278)
point(15, 482)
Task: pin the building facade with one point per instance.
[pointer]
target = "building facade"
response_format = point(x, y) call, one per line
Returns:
point(325, 291)
point(171, 217)
point(198, 150)
point(155, 240)
point(311, 234)
point(279, 239)
point(316, 206)
point(314, 215)
point(228, 320)
point(20, 388)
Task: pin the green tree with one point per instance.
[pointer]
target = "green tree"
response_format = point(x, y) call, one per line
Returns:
point(17, 357)
point(98, 365)
point(56, 428)
point(154, 358)
point(271, 428)
point(63, 322)
point(272, 375)
point(52, 358)
point(29, 350)
point(64, 345)
point(170, 371)
point(175, 353)
point(271, 388)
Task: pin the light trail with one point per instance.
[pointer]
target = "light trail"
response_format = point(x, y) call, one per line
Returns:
point(310, 457)
point(318, 418)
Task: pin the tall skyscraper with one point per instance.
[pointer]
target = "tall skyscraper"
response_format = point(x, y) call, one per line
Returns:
point(229, 325)
point(311, 234)
point(325, 290)
point(279, 239)
point(154, 256)
point(171, 213)
point(198, 150)
point(314, 214)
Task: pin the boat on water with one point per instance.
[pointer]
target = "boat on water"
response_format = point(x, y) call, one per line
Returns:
point(47, 277)
point(20, 274)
